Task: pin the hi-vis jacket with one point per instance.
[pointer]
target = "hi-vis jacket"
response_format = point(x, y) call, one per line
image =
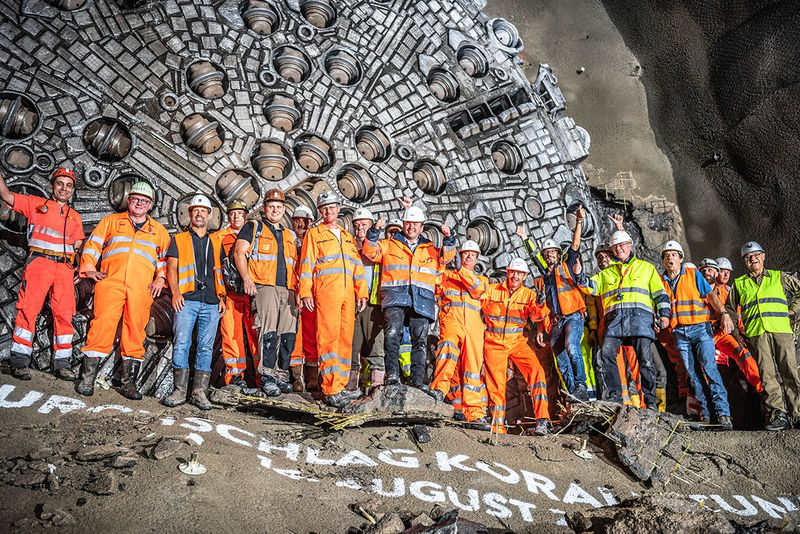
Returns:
point(460, 293)
point(506, 313)
point(331, 270)
point(187, 268)
point(262, 255)
point(408, 278)
point(125, 254)
point(688, 306)
point(52, 229)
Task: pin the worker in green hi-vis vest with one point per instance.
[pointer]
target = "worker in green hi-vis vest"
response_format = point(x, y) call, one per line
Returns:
point(762, 297)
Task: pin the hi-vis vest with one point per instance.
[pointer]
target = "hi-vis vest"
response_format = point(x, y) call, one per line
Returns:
point(634, 285)
point(765, 308)
point(570, 298)
point(688, 307)
point(262, 256)
point(186, 265)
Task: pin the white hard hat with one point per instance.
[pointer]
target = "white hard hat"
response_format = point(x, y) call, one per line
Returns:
point(302, 212)
point(470, 246)
point(363, 213)
point(672, 245)
point(709, 262)
point(142, 188)
point(724, 263)
point(518, 264)
point(550, 243)
point(689, 265)
point(326, 198)
point(201, 201)
point(750, 246)
point(619, 237)
point(394, 222)
point(414, 214)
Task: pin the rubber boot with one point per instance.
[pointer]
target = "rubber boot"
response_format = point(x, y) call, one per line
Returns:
point(311, 373)
point(376, 379)
point(130, 370)
point(65, 373)
point(180, 384)
point(661, 396)
point(88, 372)
point(353, 379)
point(296, 374)
point(20, 366)
point(200, 389)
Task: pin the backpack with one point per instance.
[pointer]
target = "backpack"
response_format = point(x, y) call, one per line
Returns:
point(230, 274)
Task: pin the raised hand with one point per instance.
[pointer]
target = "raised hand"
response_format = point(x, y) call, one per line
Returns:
point(521, 232)
point(445, 228)
point(380, 223)
point(617, 218)
point(406, 202)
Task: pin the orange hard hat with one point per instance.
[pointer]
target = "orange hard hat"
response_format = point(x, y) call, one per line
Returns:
point(274, 195)
point(64, 171)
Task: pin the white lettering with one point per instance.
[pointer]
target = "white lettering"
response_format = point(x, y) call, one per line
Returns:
point(103, 407)
point(64, 404)
point(472, 495)
point(495, 502)
point(446, 463)
point(511, 476)
point(195, 438)
point(772, 509)
point(312, 457)
point(537, 483)
point(562, 519)
point(398, 490)
point(265, 462)
point(404, 461)
point(168, 421)
point(349, 483)
point(577, 495)
point(524, 509)
point(292, 450)
point(746, 510)
point(607, 496)
point(702, 500)
point(434, 495)
point(27, 400)
point(225, 432)
point(198, 424)
point(356, 457)
point(294, 474)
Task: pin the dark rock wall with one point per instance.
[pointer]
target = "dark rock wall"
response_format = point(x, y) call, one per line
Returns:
point(724, 100)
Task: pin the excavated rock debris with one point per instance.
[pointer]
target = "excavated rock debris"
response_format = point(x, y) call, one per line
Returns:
point(651, 514)
point(449, 523)
point(401, 402)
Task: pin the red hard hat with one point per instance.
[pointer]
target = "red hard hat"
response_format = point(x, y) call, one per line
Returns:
point(63, 171)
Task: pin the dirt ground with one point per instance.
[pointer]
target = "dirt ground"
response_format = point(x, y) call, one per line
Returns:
point(95, 465)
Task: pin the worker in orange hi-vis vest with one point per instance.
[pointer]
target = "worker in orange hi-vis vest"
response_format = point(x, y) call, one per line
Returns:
point(460, 350)
point(303, 369)
point(332, 282)
point(236, 326)
point(507, 307)
point(54, 232)
point(131, 250)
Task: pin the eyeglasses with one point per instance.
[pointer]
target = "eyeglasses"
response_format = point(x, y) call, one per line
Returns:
point(139, 200)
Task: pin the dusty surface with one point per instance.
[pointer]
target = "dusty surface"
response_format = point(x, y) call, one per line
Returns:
point(267, 474)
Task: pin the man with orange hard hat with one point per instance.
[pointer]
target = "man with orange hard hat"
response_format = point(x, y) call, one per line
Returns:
point(55, 232)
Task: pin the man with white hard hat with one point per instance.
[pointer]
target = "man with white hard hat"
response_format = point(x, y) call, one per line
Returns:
point(763, 296)
point(301, 222)
point(194, 273)
point(507, 307)
point(368, 330)
point(410, 265)
point(692, 301)
point(459, 355)
point(632, 295)
point(725, 271)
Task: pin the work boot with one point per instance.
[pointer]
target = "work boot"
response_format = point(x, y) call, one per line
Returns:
point(239, 381)
point(352, 395)
point(284, 387)
point(377, 377)
point(270, 386)
point(778, 421)
point(353, 380)
point(436, 394)
point(180, 384)
point(296, 374)
point(66, 373)
point(581, 393)
point(200, 390)
point(392, 379)
point(481, 423)
point(130, 370)
point(338, 400)
point(88, 372)
point(21, 373)
point(311, 374)
point(457, 416)
point(725, 422)
point(542, 427)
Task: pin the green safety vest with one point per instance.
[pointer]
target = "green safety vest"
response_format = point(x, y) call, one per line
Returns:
point(764, 307)
point(628, 285)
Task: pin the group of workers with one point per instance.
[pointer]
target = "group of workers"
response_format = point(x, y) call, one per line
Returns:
point(303, 308)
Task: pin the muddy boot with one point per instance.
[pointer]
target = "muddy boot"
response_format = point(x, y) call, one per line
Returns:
point(338, 400)
point(200, 389)
point(353, 380)
point(21, 373)
point(311, 373)
point(542, 427)
point(65, 372)
point(85, 385)
point(180, 383)
point(376, 379)
point(296, 374)
point(130, 370)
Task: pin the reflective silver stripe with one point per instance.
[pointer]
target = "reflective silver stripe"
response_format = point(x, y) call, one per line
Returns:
point(539, 385)
point(62, 340)
point(263, 257)
point(641, 290)
point(697, 303)
point(290, 261)
point(328, 356)
point(394, 283)
point(465, 305)
point(92, 252)
point(146, 242)
point(775, 314)
point(160, 265)
point(119, 239)
point(692, 313)
point(46, 230)
point(305, 276)
point(452, 293)
point(94, 354)
point(61, 354)
point(360, 277)
point(20, 348)
point(539, 397)
point(395, 267)
point(422, 285)
point(768, 300)
point(473, 376)
point(447, 355)
point(630, 305)
point(96, 238)
point(447, 344)
point(424, 270)
point(494, 330)
point(306, 261)
point(477, 283)
point(470, 387)
point(333, 270)
point(23, 334)
point(60, 247)
point(145, 255)
point(329, 370)
point(330, 257)
point(120, 250)
point(185, 268)
point(186, 279)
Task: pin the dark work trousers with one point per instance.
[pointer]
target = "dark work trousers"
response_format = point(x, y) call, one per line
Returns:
point(647, 368)
point(397, 317)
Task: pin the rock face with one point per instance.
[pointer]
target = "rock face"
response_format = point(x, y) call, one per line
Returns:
point(651, 514)
point(402, 400)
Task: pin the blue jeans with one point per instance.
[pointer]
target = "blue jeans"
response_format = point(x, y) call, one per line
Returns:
point(695, 343)
point(207, 318)
point(565, 339)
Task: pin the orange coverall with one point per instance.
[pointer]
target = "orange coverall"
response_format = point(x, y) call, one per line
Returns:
point(52, 232)
point(460, 350)
point(237, 323)
point(728, 348)
point(506, 314)
point(332, 274)
point(132, 259)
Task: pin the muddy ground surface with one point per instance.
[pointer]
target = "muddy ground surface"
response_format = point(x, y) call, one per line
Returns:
point(110, 464)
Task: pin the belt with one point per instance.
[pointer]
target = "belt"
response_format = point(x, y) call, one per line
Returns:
point(60, 258)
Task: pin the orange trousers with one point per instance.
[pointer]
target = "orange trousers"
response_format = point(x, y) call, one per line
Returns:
point(43, 277)
point(666, 340)
point(729, 348)
point(115, 299)
point(305, 344)
point(626, 359)
point(459, 358)
point(497, 352)
point(334, 335)
point(236, 326)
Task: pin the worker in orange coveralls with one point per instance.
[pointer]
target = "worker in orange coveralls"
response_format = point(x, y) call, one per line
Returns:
point(459, 355)
point(236, 326)
point(332, 282)
point(507, 306)
point(55, 232)
point(303, 366)
point(131, 249)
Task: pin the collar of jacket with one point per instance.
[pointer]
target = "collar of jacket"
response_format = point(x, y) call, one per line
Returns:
point(279, 226)
point(402, 238)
